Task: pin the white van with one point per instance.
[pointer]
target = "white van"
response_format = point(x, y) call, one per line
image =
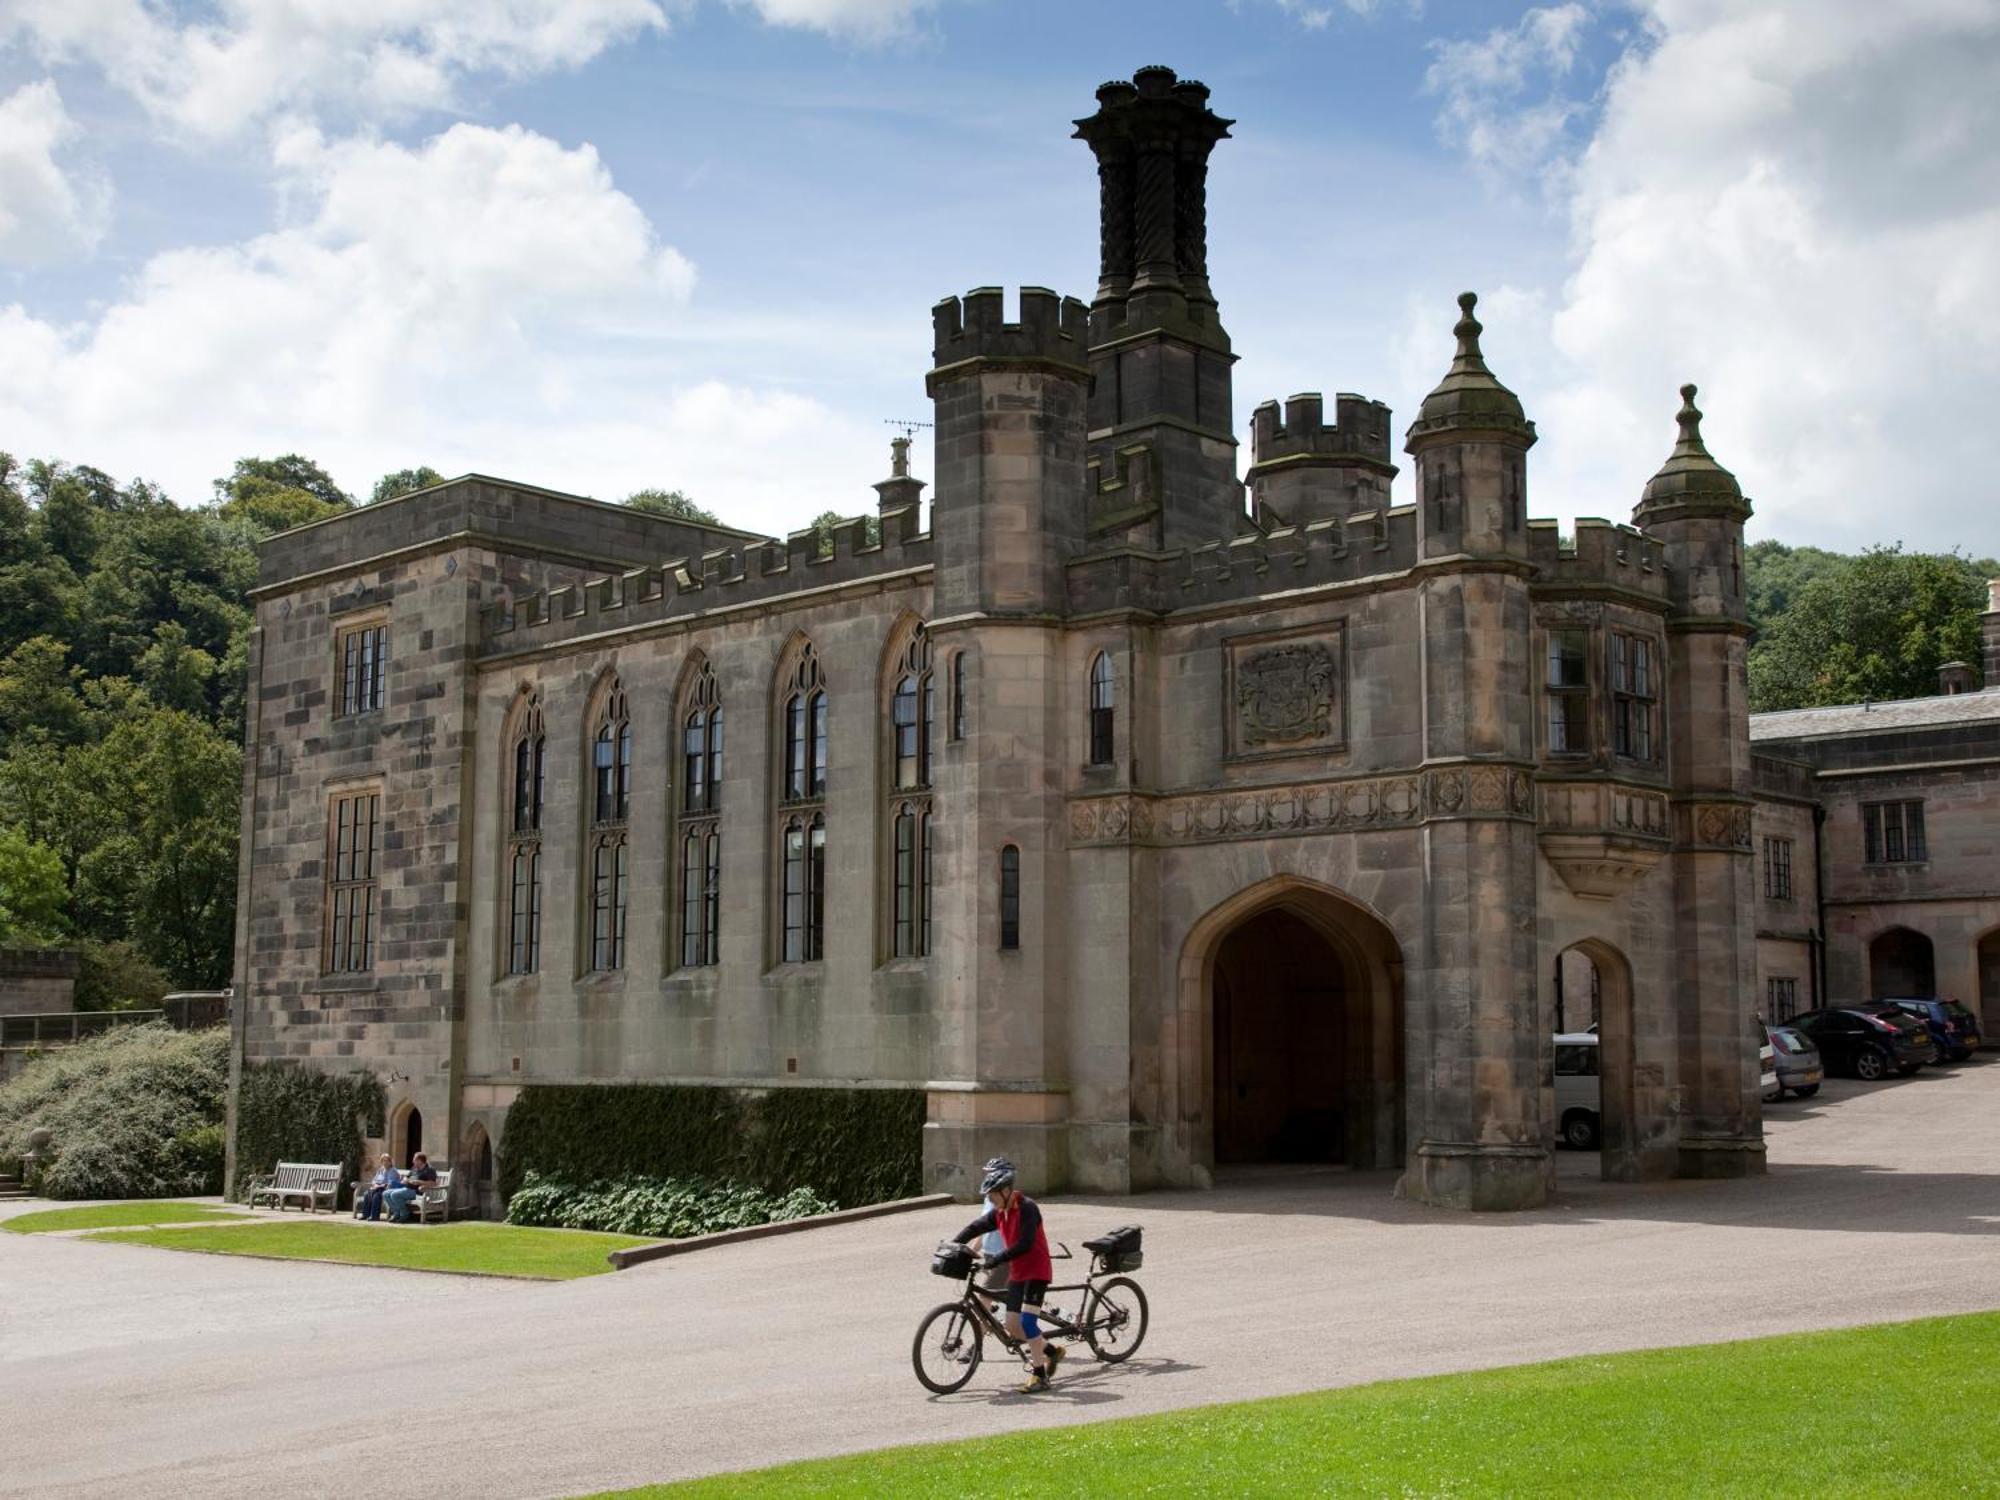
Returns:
point(1579, 1092)
point(1579, 1104)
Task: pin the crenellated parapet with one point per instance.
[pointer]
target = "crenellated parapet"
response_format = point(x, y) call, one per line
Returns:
point(1242, 568)
point(756, 573)
point(973, 329)
point(1602, 554)
point(1304, 469)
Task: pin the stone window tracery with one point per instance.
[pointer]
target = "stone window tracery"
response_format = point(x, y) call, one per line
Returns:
point(698, 834)
point(609, 875)
point(524, 842)
point(907, 800)
point(802, 755)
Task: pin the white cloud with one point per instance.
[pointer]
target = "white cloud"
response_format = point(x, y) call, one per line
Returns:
point(364, 59)
point(1316, 16)
point(865, 20)
point(46, 211)
point(1502, 102)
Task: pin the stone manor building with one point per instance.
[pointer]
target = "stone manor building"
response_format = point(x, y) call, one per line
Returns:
point(1148, 812)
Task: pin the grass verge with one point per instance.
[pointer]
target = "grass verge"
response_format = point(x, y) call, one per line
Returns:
point(109, 1215)
point(1896, 1408)
point(468, 1249)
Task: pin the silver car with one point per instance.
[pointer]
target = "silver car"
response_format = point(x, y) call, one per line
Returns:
point(1799, 1070)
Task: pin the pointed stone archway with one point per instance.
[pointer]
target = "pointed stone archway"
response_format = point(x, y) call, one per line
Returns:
point(1901, 963)
point(1288, 1037)
point(1606, 1003)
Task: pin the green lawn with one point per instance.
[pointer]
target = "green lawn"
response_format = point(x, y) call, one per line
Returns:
point(105, 1215)
point(1901, 1408)
point(484, 1249)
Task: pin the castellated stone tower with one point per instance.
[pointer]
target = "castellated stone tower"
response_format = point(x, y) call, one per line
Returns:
point(1161, 433)
point(1696, 509)
point(1304, 469)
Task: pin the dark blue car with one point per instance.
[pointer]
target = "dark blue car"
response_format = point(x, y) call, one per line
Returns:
point(1954, 1029)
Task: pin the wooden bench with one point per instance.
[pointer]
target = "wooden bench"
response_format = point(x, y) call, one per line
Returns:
point(310, 1184)
point(431, 1206)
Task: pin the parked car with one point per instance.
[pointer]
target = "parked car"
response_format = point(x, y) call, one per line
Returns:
point(1767, 1070)
point(1799, 1067)
point(1867, 1041)
point(1953, 1027)
point(1579, 1101)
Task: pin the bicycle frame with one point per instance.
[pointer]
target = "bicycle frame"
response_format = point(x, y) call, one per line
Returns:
point(1053, 1326)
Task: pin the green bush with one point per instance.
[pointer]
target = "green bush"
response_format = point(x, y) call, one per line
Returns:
point(850, 1146)
point(663, 1207)
point(134, 1113)
point(288, 1113)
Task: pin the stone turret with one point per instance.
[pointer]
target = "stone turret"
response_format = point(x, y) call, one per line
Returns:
point(1305, 469)
point(1696, 509)
point(1470, 441)
point(901, 491)
point(1160, 357)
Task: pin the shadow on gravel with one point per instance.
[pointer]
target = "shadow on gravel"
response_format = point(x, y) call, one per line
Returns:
point(1087, 1385)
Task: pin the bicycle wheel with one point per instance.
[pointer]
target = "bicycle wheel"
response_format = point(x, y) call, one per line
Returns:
point(947, 1348)
point(1117, 1322)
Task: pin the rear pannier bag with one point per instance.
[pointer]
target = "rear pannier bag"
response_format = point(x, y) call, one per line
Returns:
point(952, 1260)
point(1120, 1249)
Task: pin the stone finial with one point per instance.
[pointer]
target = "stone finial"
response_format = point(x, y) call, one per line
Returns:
point(1469, 398)
point(1993, 596)
point(1691, 480)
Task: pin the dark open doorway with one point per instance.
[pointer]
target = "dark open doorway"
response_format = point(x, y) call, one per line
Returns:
point(1280, 1043)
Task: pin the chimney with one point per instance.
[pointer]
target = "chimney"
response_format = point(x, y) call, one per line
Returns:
point(1991, 621)
point(1955, 677)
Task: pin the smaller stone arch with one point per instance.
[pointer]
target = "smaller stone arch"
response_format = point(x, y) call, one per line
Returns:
point(474, 1167)
point(1901, 962)
point(1623, 1095)
point(406, 1132)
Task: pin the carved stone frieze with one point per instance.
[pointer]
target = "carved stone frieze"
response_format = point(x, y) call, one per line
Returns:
point(1712, 825)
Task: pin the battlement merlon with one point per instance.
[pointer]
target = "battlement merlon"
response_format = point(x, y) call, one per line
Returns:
point(1359, 434)
point(1053, 333)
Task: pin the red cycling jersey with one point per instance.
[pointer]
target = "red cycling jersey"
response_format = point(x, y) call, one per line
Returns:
point(1022, 1222)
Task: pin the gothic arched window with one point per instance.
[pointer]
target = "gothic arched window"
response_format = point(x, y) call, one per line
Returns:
point(803, 840)
point(804, 715)
point(1103, 704)
point(907, 801)
point(698, 833)
point(524, 840)
point(608, 878)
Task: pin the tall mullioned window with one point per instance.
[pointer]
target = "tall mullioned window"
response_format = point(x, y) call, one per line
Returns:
point(363, 654)
point(912, 698)
point(958, 695)
point(804, 893)
point(698, 832)
point(805, 730)
point(1894, 832)
point(1568, 691)
point(802, 755)
point(1010, 897)
point(1781, 999)
point(1778, 868)
point(352, 838)
point(1103, 711)
point(524, 843)
point(609, 875)
point(1634, 691)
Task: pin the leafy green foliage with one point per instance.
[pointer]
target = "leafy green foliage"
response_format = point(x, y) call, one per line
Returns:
point(1847, 629)
point(404, 482)
point(32, 892)
point(671, 503)
point(288, 1113)
point(134, 1113)
point(851, 1146)
point(290, 471)
point(826, 520)
point(662, 1207)
point(117, 976)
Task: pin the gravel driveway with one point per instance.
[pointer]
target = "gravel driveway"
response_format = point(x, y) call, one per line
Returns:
point(133, 1372)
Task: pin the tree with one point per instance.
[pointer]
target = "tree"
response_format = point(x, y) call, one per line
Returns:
point(271, 507)
point(671, 503)
point(117, 976)
point(33, 893)
point(1877, 626)
point(403, 482)
point(1773, 574)
point(290, 471)
point(174, 673)
point(38, 693)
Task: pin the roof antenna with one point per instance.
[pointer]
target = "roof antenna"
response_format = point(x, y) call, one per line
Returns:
point(899, 448)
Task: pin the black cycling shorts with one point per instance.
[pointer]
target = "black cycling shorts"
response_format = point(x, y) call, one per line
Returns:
point(1025, 1294)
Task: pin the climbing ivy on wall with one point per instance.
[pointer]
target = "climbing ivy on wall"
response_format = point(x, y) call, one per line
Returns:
point(288, 1113)
point(852, 1146)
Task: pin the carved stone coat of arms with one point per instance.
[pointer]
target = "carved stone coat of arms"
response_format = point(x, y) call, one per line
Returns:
point(1285, 695)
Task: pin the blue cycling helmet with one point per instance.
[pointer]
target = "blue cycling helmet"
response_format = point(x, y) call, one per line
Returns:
point(998, 1173)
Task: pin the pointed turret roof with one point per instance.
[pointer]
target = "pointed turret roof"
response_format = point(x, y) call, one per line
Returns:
point(1469, 398)
point(1691, 479)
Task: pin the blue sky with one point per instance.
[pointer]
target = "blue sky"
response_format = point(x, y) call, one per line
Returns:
point(599, 244)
